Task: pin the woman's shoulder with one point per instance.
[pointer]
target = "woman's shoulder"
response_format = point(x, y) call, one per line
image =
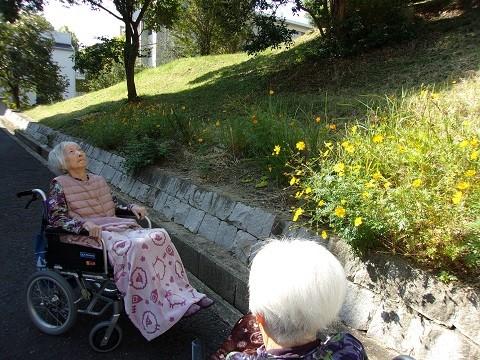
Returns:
point(344, 346)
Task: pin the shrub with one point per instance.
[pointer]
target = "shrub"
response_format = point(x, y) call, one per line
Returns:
point(143, 152)
point(406, 179)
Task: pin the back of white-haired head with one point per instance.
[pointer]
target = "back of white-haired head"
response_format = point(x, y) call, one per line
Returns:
point(298, 286)
point(56, 157)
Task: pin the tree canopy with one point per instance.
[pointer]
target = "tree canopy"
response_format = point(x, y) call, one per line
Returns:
point(25, 60)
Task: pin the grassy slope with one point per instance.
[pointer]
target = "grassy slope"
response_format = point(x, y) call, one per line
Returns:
point(210, 86)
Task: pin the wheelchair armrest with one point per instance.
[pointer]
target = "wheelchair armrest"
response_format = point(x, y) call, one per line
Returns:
point(61, 231)
point(124, 213)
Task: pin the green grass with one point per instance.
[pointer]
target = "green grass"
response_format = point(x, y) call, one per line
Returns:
point(420, 93)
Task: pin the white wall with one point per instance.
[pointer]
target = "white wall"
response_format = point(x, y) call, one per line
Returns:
point(63, 56)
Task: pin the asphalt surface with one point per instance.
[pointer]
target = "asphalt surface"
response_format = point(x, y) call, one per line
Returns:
point(19, 339)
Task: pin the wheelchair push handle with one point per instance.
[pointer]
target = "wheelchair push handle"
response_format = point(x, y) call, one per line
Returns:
point(35, 193)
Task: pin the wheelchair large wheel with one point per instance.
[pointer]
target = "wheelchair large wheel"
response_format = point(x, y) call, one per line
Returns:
point(97, 337)
point(50, 302)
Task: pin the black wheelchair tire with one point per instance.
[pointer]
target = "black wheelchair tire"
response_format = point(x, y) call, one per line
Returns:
point(59, 294)
point(97, 333)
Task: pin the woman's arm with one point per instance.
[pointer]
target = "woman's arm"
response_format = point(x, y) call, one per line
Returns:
point(58, 210)
point(138, 211)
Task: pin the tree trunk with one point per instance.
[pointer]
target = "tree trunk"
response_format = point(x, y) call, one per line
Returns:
point(16, 96)
point(132, 44)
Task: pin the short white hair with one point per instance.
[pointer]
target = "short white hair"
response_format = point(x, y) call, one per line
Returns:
point(56, 157)
point(298, 287)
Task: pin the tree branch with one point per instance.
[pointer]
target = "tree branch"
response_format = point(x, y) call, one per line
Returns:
point(99, 5)
point(142, 12)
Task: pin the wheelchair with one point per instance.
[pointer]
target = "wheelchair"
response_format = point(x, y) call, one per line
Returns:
point(70, 280)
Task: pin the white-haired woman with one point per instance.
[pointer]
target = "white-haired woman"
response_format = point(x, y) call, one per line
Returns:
point(297, 288)
point(147, 268)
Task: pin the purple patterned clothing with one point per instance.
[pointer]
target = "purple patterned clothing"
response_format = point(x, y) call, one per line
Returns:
point(342, 346)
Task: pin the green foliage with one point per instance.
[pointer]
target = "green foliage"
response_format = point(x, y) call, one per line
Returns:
point(272, 33)
point(143, 152)
point(25, 60)
point(10, 10)
point(402, 179)
point(101, 57)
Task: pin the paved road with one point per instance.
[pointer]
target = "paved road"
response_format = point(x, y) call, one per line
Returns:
point(18, 338)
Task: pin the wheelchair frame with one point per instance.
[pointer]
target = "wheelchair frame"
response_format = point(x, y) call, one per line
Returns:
point(51, 289)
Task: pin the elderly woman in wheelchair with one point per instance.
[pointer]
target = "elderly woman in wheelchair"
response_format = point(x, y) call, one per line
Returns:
point(84, 234)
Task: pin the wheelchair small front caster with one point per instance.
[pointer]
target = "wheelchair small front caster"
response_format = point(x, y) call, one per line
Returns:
point(99, 339)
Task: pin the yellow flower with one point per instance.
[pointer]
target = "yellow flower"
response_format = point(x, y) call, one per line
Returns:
point(297, 214)
point(200, 140)
point(417, 183)
point(463, 185)
point(321, 203)
point(457, 197)
point(400, 148)
point(318, 119)
point(300, 145)
point(463, 144)
point(324, 235)
point(356, 169)
point(474, 142)
point(217, 124)
point(276, 150)
point(340, 211)
point(294, 181)
point(254, 119)
point(370, 184)
point(332, 127)
point(435, 96)
point(474, 155)
point(348, 147)
point(358, 221)
point(378, 138)
point(298, 194)
point(339, 167)
point(387, 185)
point(354, 129)
point(308, 190)
point(366, 195)
point(377, 176)
point(271, 92)
point(470, 173)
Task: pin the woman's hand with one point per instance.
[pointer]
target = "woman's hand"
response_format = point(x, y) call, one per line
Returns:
point(94, 230)
point(139, 211)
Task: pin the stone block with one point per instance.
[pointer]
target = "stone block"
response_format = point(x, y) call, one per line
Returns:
point(181, 212)
point(359, 307)
point(183, 187)
point(242, 245)
point(209, 226)
point(201, 199)
point(108, 173)
point(104, 156)
point(116, 178)
point(260, 223)
point(240, 215)
point(161, 181)
point(95, 166)
point(225, 235)
point(151, 196)
point(194, 219)
point(222, 206)
point(139, 191)
point(168, 209)
point(125, 183)
point(467, 313)
point(241, 296)
point(160, 201)
point(172, 186)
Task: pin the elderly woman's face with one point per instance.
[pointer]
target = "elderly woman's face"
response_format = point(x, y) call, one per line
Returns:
point(75, 158)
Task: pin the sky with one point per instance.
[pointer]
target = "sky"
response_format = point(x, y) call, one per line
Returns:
point(88, 24)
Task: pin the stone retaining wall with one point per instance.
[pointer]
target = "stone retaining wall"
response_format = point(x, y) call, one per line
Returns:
point(401, 307)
